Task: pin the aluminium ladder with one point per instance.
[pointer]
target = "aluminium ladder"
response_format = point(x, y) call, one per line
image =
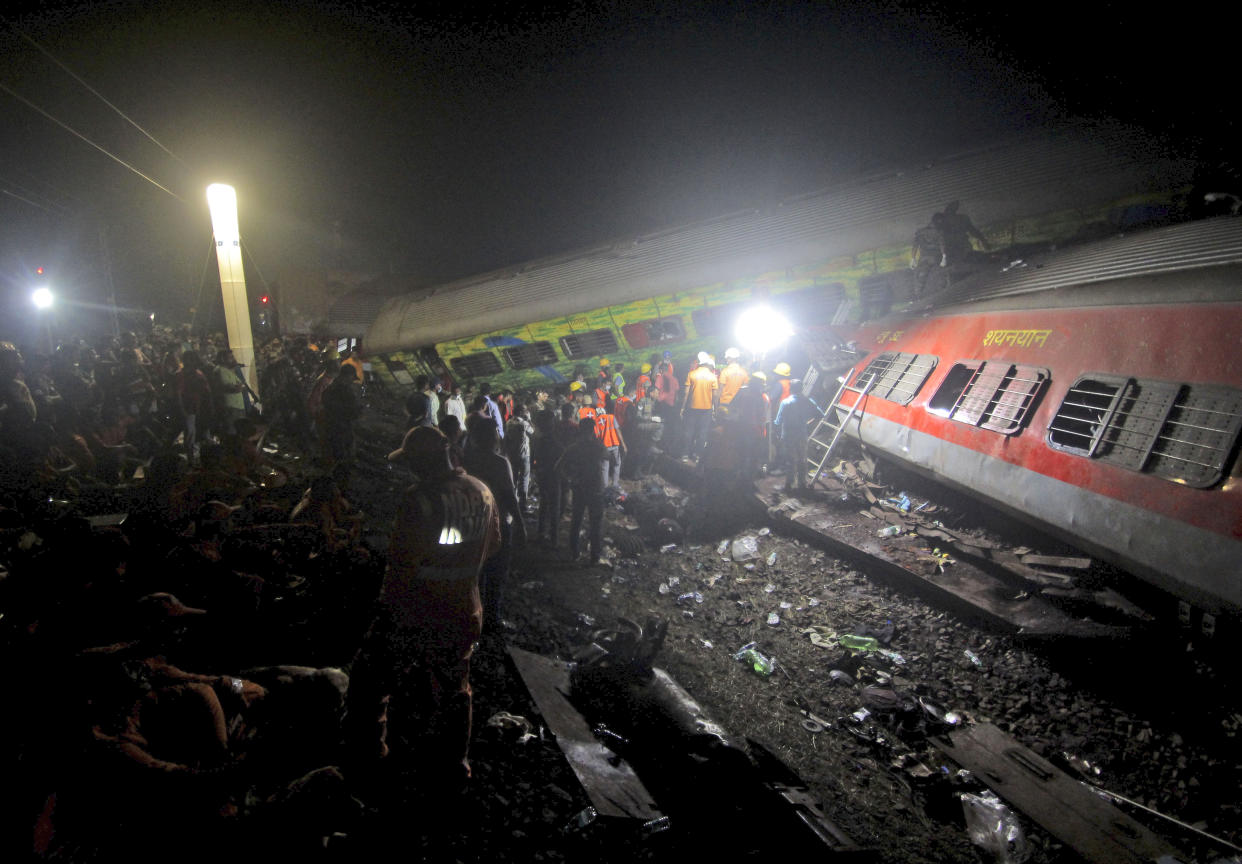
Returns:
point(828, 428)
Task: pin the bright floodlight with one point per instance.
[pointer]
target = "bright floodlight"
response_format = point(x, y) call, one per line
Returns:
point(42, 298)
point(760, 330)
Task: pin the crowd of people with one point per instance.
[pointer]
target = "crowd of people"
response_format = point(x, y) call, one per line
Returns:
point(165, 566)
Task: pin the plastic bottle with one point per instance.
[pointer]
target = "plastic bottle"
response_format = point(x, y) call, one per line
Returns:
point(858, 643)
point(890, 531)
point(749, 654)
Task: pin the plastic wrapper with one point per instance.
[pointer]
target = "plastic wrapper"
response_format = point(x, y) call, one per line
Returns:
point(994, 827)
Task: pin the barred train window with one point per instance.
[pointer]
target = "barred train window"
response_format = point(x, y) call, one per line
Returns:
point(476, 365)
point(897, 376)
point(993, 394)
point(1182, 432)
point(530, 355)
point(589, 344)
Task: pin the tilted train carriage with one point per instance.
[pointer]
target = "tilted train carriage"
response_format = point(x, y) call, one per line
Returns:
point(1096, 392)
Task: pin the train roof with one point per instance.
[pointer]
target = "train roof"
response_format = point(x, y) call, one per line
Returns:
point(1143, 267)
point(1052, 171)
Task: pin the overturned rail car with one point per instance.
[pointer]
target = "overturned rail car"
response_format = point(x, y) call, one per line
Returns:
point(833, 255)
point(1096, 392)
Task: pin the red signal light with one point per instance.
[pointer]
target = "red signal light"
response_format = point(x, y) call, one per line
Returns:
point(38, 271)
point(263, 299)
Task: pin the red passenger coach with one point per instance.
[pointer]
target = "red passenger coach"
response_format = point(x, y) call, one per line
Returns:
point(1096, 392)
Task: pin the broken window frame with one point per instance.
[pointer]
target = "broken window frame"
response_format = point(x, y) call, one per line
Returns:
point(530, 355)
point(478, 365)
point(655, 332)
point(997, 395)
point(590, 343)
point(1150, 426)
point(902, 387)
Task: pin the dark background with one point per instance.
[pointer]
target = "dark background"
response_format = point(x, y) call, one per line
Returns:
point(439, 140)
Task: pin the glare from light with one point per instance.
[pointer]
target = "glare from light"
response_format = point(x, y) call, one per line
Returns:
point(761, 329)
point(222, 202)
point(42, 298)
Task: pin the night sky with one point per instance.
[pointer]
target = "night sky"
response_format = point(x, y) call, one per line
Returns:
point(443, 140)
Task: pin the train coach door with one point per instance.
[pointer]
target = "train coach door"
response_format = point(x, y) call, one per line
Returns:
point(436, 368)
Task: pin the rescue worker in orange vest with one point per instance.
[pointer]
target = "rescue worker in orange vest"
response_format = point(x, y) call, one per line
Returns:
point(430, 612)
point(582, 399)
point(644, 381)
point(732, 378)
point(609, 434)
point(778, 392)
point(702, 392)
point(603, 396)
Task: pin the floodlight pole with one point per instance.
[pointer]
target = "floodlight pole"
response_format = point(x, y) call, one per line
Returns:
point(222, 201)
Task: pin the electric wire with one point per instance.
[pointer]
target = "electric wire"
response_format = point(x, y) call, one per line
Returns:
point(78, 134)
point(100, 96)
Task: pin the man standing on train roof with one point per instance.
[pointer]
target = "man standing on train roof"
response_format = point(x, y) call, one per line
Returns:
point(792, 423)
point(702, 392)
point(429, 613)
point(927, 254)
point(958, 231)
point(732, 378)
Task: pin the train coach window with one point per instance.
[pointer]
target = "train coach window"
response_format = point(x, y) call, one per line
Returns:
point(1182, 432)
point(995, 395)
point(656, 331)
point(897, 376)
point(400, 372)
point(530, 355)
point(478, 365)
point(590, 344)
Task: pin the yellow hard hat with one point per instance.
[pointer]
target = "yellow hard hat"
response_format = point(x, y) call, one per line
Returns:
point(645, 368)
point(603, 361)
point(782, 369)
point(575, 387)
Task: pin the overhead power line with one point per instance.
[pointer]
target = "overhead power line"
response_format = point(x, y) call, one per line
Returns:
point(100, 96)
point(24, 200)
point(78, 134)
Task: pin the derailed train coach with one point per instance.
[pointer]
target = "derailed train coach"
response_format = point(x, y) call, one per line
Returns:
point(831, 257)
point(1095, 392)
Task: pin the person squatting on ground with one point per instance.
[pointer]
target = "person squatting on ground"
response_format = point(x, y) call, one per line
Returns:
point(582, 465)
point(793, 419)
point(430, 612)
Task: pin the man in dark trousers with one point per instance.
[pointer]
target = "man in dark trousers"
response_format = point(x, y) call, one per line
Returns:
point(582, 464)
point(793, 425)
point(430, 613)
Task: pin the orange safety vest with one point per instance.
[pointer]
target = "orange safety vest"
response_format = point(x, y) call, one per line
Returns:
point(644, 381)
point(586, 411)
point(606, 430)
